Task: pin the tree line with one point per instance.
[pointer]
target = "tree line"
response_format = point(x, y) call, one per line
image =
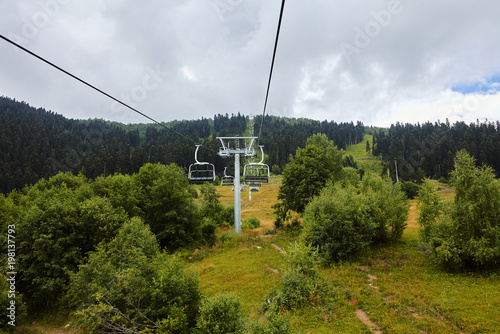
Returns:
point(282, 136)
point(36, 143)
point(428, 150)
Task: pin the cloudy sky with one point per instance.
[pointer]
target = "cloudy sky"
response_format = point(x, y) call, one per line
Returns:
point(374, 61)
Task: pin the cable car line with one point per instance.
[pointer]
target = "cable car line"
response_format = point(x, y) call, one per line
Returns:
point(93, 87)
point(210, 170)
point(271, 72)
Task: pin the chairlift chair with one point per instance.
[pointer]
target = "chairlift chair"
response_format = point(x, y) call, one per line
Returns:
point(200, 172)
point(227, 180)
point(256, 172)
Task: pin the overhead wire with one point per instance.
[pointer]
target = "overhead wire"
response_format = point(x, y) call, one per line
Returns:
point(95, 88)
point(144, 115)
point(271, 71)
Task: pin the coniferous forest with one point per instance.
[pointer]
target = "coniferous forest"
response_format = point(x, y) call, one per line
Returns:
point(428, 150)
point(36, 143)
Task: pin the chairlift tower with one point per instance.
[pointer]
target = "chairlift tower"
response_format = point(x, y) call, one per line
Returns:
point(237, 147)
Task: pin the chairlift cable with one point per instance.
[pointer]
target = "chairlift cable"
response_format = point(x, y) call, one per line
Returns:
point(271, 71)
point(95, 88)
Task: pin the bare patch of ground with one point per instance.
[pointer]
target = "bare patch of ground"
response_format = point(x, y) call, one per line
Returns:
point(279, 249)
point(366, 320)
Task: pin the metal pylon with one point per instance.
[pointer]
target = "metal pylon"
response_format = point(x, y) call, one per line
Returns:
point(231, 147)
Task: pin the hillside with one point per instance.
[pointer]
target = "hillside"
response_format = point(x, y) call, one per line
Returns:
point(36, 143)
point(395, 289)
point(398, 288)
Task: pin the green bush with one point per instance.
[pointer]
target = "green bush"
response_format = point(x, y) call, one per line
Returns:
point(208, 228)
point(345, 221)
point(300, 283)
point(410, 189)
point(431, 209)
point(294, 227)
point(251, 223)
point(338, 224)
point(467, 234)
point(128, 285)
point(60, 221)
point(210, 205)
point(442, 180)
point(220, 315)
point(276, 170)
point(388, 207)
point(227, 216)
point(273, 323)
point(308, 172)
point(169, 209)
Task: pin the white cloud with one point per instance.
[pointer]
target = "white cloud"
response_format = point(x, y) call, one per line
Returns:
point(218, 61)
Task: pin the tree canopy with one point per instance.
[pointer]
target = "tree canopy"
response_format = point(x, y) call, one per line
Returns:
point(308, 172)
point(466, 233)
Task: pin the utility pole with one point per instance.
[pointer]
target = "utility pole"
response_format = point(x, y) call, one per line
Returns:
point(396, 164)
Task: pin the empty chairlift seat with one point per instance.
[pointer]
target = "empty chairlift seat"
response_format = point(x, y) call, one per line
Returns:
point(200, 172)
point(227, 180)
point(256, 172)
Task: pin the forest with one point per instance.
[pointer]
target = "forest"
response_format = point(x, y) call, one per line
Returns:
point(103, 227)
point(36, 143)
point(428, 150)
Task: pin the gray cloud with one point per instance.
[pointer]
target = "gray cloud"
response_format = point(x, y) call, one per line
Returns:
point(377, 61)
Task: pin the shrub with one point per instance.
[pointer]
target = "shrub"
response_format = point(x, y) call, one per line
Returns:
point(300, 283)
point(337, 223)
point(60, 221)
point(410, 189)
point(274, 323)
point(294, 227)
point(308, 172)
point(227, 216)
point(208, 228)
point(129, 286)
point(442, 180)
point(344, 221)
point(276, 170)
point(388, 206)
point(220, 314)
point(431, 208)
point(169, 209)
point(251, 223)
point(211, 206)
point(467, 235)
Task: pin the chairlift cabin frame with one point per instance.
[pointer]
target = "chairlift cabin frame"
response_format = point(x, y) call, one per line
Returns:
point(256, 172)
point(200, 172)
point(226, 180)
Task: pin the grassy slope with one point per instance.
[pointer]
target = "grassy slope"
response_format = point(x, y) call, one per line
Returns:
point(399, 287)
point(365, 160)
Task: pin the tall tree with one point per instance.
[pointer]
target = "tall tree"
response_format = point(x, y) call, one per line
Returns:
point(308, 172)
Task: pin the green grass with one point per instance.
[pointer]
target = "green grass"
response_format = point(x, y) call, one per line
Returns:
point(398, 287)
point(365, 160)
point(243, 266)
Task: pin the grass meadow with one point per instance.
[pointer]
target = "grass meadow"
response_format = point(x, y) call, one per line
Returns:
point(398, 288)
point(394, 289)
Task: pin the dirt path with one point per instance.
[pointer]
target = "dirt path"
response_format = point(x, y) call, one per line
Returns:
point(366, 320)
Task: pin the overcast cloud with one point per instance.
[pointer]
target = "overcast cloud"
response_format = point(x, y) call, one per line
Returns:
point(375, 61)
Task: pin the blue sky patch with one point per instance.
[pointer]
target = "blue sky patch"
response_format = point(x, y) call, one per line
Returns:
point(490, 86)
